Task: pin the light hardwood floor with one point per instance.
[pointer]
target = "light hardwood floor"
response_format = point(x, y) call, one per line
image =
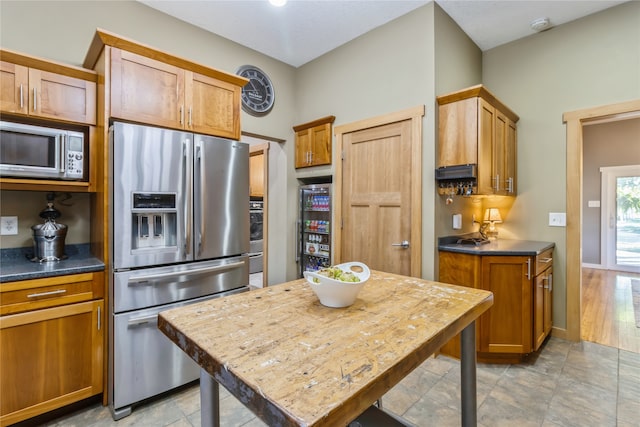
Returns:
point(607, 309)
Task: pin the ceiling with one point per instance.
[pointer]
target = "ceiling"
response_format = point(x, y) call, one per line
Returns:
point(303, 30)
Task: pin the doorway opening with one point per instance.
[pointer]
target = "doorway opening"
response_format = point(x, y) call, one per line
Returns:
point(621, 218)
point(258, 207)
point(574, 125)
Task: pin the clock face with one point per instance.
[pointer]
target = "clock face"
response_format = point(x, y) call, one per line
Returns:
point(257, 95)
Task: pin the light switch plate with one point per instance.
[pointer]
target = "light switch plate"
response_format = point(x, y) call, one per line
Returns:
point(557, 219)
point(8, 225)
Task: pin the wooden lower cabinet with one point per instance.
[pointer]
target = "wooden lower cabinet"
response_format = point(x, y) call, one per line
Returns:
point(543, 294)
point(506, 327)
point(50, 358)
point(520, 318)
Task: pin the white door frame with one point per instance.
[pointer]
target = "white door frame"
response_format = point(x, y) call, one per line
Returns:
point(608, 217)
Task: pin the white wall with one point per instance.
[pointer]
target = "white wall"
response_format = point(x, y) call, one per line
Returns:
point(586, 63)
point(388, 69)
point(62, 31)
point(590, 62)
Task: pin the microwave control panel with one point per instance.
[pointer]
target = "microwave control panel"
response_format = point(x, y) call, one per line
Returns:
point(75, 156)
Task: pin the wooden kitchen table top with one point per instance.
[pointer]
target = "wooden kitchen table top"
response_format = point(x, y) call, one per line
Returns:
point(292, 361)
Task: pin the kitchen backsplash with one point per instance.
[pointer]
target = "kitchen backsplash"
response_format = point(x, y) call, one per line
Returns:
point(26, 205)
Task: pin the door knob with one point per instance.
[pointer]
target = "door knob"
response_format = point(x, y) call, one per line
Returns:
point(403, 245)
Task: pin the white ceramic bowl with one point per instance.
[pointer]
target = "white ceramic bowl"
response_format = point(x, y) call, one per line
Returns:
point(335, 293)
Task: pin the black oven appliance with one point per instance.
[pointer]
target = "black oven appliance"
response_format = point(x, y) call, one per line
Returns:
point(256, 254)
point(30, 151)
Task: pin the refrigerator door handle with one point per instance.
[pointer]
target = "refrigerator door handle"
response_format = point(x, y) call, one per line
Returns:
point(297, 243)
point(145, 279)
point(202, 196)
point(185, 180)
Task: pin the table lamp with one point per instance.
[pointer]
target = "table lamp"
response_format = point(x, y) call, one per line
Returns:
point(492, 216)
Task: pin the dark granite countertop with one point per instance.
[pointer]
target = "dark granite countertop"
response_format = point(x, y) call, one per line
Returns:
point(495, 247)
point(15, 264)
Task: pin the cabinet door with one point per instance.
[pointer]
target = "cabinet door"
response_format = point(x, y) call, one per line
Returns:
point(303, 144)
point(538, 310)
point(213, 106)
point(506, 327)
point(14, 88)
point(542, 307)
point(146, 90)
point(498, 149)
point(55, 96)
point(320, 145)
point(486, 138)
point(548, 302)
point(458, 132)
point(256, 175)
point(462, 270)
point(510, 156)
point(50, 358)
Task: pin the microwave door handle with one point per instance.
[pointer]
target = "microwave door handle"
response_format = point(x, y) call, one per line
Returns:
point(63, 151)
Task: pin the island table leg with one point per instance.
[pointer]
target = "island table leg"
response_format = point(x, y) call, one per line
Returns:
point(468, 376)
point(209, 400)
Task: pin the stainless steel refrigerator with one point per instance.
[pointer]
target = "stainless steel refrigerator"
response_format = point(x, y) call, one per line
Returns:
point(180, 234)
point(314, 227)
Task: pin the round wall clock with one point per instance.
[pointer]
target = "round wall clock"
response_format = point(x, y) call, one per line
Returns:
point(257, 96)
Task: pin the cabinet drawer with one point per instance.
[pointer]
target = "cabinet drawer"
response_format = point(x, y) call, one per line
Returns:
point(50, 292)
point(544, 261)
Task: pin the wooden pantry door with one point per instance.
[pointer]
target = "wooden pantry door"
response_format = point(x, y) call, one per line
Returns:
point(378, 192)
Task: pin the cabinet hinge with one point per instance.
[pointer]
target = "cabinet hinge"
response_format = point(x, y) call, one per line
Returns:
point(342, 155)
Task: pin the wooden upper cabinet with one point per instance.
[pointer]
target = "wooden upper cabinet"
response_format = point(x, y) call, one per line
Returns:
point(214, 107)
point(42, 89)
point(153, 87)
point(14, 85)
point(313, 142)
point(256, 175)
point(146, 90)
point(474, 127)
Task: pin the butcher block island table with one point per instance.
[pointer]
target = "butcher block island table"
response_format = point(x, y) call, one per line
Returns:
point(295, 362)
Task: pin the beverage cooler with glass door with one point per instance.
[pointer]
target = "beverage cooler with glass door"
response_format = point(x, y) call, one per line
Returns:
point(314, 227)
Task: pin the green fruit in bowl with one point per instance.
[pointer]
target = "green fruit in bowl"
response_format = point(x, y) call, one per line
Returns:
point(337, 274)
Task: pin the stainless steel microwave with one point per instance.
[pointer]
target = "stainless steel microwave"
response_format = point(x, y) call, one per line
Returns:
point(30, 151)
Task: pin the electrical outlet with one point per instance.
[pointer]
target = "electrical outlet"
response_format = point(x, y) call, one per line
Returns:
point(9, 225)
point(457, 221)
point(557, 219)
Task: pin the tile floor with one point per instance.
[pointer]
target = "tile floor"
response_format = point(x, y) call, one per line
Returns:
point(567, 384)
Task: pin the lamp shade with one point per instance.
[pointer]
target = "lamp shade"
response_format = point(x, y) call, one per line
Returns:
point(492, 215)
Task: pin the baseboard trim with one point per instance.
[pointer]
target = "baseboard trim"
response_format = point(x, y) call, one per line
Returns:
point(594, 266)
point(560, 333)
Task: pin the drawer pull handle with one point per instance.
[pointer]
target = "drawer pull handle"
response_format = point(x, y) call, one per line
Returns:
point(143, 319)
point(47, 294)
point(545, 260)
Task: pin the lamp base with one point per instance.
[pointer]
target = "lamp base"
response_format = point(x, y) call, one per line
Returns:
point(492, 232)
